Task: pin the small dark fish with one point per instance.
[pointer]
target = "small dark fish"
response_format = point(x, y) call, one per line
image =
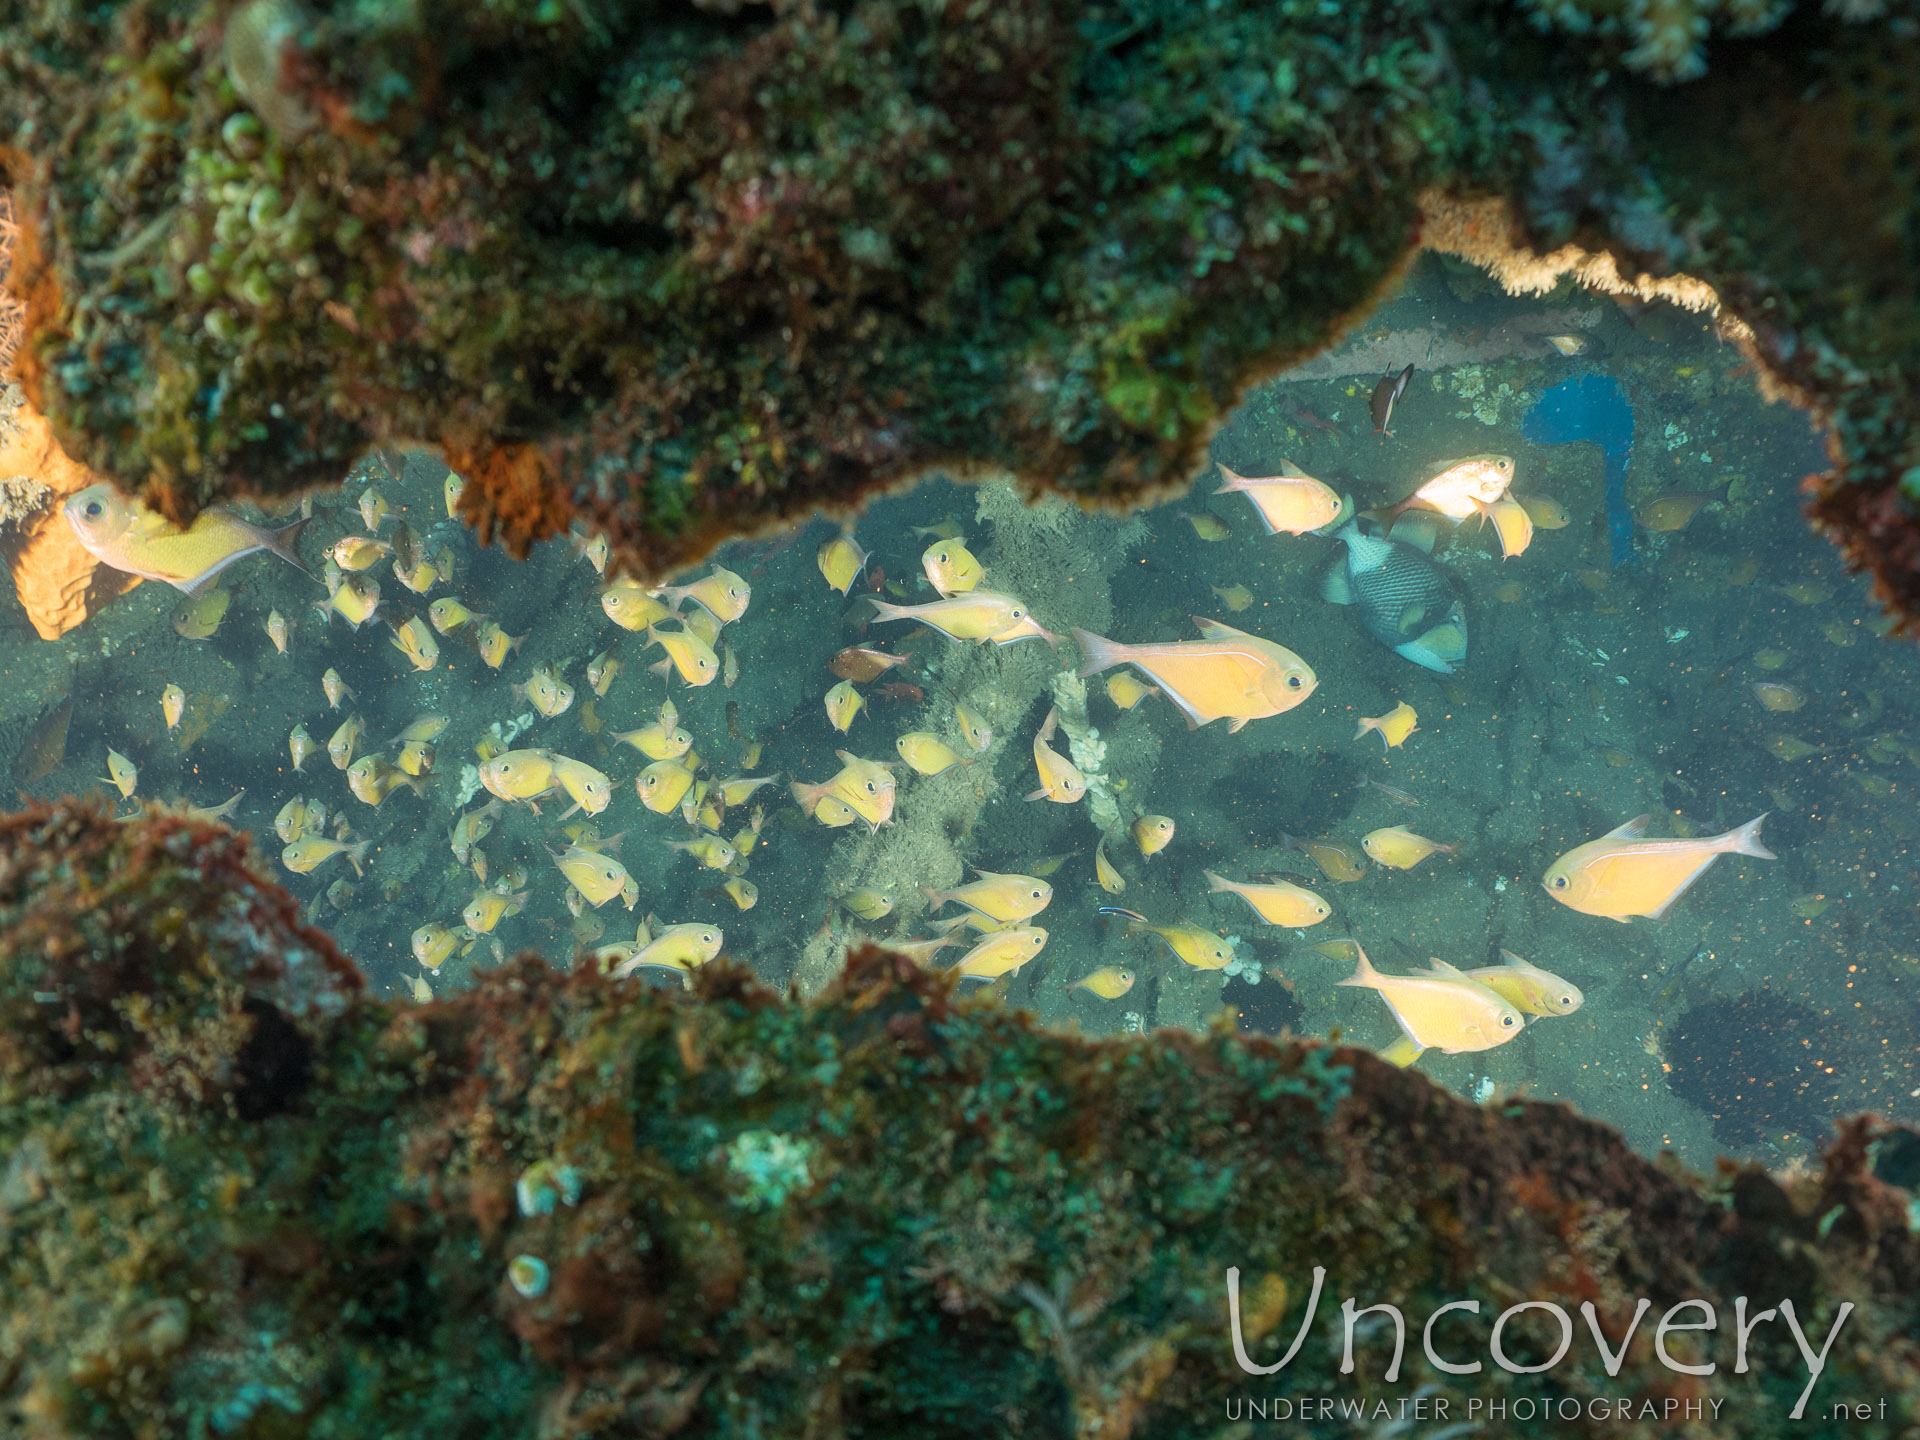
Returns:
point(1389, 390)
point(45, 746)
point(1307, 420)
point(903, 690)
point(859, 664)
point(733, 719)
point(406, 554)
point(876, 577)
point(1399, 797)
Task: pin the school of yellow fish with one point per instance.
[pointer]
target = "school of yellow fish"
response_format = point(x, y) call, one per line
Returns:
point(1227, 673)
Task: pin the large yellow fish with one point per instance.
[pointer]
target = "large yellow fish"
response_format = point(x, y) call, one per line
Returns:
point(1290, 503)
point(677, 947)
point(723, 594)
point(1202, 949)
point(1442, 1012)
point(951, 568)
point(630, 607)
point(1226, 675)
point(978, 615)
point(1621, 875)
point(598, 877)
point(1279, 903)
point(1002, 952)
point(1005, 898)
point(309, 852)
point(1060, 780)
point(663, 785)
point(865, 786)
point(121, 532)
point(687, 652)
point(1457, 485)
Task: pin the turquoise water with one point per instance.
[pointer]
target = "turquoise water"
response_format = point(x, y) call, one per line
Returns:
point(1597, 686)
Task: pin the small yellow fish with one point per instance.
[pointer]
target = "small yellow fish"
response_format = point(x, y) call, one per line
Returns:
point(1666, 514)
point(433, 944)
point(743, 893)
point(738, 789)
point(595, 549)
point(1778, 697)
point(750, 754)
point(833, 812)
point(1807, 592)
point(1060, 781)
point(1336, 861)
point(121, 774)
point(545, 691)
point(173, 704)
point(589, 789)
point(1002, 952)
point(301, 745)
point(677, 947)
point(597, 877)
point(278, 630)
point(687, 652)
point(452, 488)
point(1153, 833)
point(1109, 982)
point(947, 528)
point(975, 733)
point(198, 617)
point(1622, 874)
point(472, 827)
point(372, 779)
point(662, 740)
point(1508, 592)
point(928, 754)
point(699, 623)
point(373, 509)
point(1206, 526)
point(630, 607)
point(356, 599)
point(122, 533)
point(1791, 747)
point(1526, 987)
point(843, 703)
point(602, 671)
point(1546, 512)
point(1278, 903)
point(415, 758)
point(1393, 727)
point(496, 645)
point(1290, 503)
point(1235, 597)
point(448, 615)
point(1202, 949)
point(723, 595)
point(489, 907)
point(841, 560)
point(1438, 1011)
point(1126, 691)
point(951, 568)
point(295, 819)
point(1005, 898)
point(729, 667)
point(357, 552)
point(978, 615)
point(519, 774)
point(335, 688)
point(868, 904)
point(1398, 847)
point(340, 745)
point(710, 850)
point(663, 785)
point(415, 641)
point(1511, 523)
point(1568, 345)
point(309, 852)
point(1111, 880)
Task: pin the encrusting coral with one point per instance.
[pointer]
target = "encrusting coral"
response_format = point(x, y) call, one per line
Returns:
point(238, 1196)
point(724, 272)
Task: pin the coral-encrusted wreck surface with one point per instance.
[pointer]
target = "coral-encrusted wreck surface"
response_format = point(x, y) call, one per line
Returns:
point(686, 269)
point(238, 1197)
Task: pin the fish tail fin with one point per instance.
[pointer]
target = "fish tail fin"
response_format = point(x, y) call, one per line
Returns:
point(807, 796)
point(1231, 481)
point(1403, 1052)
point(1050, 724)
point(356, 857)
point(284, 540)
point(1507, 957)
point(1216, 883)
point(884, 610)
point(1100, 652)
point(1362, 728)
point(1363, 972)
point(1746, 840)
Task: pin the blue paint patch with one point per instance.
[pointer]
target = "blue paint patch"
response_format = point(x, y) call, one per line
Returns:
point(1593, 409)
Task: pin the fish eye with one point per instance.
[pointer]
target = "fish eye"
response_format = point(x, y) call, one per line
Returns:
point(1018, 613)
point(1506, 1022)
point(1033, 894)
point(1293, 682)
point(1567, 1000)
point(1559, 882)
point(94, 509)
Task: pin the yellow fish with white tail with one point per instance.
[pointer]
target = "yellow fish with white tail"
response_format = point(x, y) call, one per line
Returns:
point(1622, 874)
point(1060, 780)
point(1439, 1010)
point(1202, 949)
point(977, 615)
point(1278, 903)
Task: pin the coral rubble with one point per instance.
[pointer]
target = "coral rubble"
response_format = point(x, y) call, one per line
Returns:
point(239, 1197)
